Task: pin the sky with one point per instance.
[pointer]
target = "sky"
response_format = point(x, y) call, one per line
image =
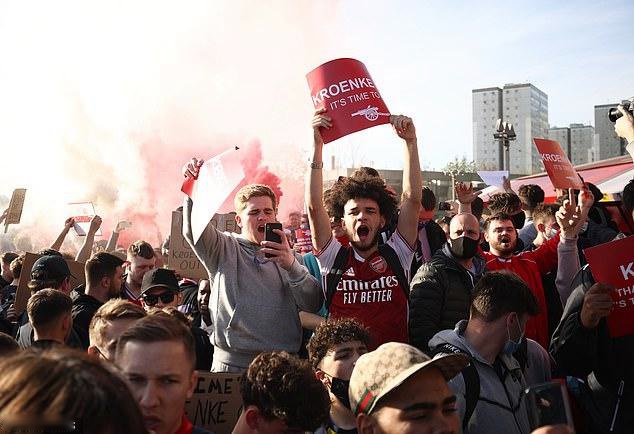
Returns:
point(105, 101)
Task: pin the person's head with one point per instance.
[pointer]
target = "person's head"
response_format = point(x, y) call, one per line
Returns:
point(8, 345)
point(628, 197)
point(141, 258)
point(397, 389)
point(157, 356)
point(428, 202)
point(108, 323)
point(334, 349)
point(337, 227)
point(16, 267)
point(294, 219)
point(280, 394)
point(477, 207)
point(545, 222)
point(500, 233)
point(464, 236)
point(255, 205)
point(49, 314)
point(510, 205)
point(5, 263)
point(160, 289)
point(531, 195)
point(50, 272)
point(105, 271)
point(366, 171)
point(65, 386)
point(503, 302)
point(366, 206)
point(204, 293)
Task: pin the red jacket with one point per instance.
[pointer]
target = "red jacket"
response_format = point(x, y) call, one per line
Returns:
point(530, 267)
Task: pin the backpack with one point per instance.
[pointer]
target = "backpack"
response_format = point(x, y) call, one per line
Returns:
point(341, 265)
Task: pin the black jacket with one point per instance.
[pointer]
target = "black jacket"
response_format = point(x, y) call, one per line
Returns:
point(603, 361)
point(440, 296)
point(84, 308)
point(436, 238)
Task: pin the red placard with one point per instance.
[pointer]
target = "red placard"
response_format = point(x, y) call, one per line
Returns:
point(344, 87)
point(559, 168)
point(304, 240)
point(613, 263)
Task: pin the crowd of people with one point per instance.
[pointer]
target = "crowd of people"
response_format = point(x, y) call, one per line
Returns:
point(395, 322)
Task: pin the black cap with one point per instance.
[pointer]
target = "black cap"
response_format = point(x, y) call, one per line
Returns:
point(50, 267)
point(159, 277)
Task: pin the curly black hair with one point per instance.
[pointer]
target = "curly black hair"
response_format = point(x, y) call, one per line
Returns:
point(360, 186)
point(284, 387)
point(334, 332)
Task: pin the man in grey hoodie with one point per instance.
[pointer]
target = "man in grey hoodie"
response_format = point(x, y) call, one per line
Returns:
point(502, 304)
point(254, 300)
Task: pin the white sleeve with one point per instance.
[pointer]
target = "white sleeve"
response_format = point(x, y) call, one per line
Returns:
point(403, 250)
point(326, 256)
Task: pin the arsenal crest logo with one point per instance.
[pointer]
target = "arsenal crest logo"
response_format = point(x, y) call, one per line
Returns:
point(378, 264)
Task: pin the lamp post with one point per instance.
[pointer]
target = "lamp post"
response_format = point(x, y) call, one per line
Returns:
point(505, 134)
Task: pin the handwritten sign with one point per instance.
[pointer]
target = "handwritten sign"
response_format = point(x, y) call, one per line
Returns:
point(344, 87)
point(82, 213)
point(560, 170)
point(613, 263)
point(216, 404)
point(14, 212)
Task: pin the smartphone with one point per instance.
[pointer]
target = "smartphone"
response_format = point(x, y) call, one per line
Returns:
point(269, 235)
point(444, 206)
point(548, 404)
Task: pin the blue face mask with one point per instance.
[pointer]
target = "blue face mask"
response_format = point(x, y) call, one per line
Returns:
point(512, 346)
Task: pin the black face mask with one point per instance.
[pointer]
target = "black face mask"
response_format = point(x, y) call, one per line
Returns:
point(463, 247)
point(518, 220)
point(339, 388)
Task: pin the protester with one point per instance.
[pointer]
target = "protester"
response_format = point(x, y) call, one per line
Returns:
point(583, 347)
point(531, 196)
point(333, 350)
point(281, 395)
point(104, 277)
point(64, 391)
point(203, 317)
point(6, 277)
point(441, 291)
point(49, 314)
point(364, 281)
point(397, 389)
point(431, 237)
point(108, 323)
point(89, 239)
point(157, 356)
point(490, 390)
point(140, 259)
point(270, 290)
point(7, 294)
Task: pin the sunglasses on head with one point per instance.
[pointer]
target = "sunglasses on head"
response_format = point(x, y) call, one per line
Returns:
point(165, 297)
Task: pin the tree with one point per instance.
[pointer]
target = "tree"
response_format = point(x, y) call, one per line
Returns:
point(456, 168)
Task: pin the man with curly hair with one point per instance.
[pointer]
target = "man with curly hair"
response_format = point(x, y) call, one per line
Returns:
point(367, 281)
point(333, 350)
point(280, 395)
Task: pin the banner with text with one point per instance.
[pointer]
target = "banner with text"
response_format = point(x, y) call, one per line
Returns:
point(82, 213)
point(560, 170)
point(16, 205)
point(613, 263)
point(344, 87)
point(216, 404)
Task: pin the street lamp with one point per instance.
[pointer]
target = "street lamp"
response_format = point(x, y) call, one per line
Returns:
point(505, 133)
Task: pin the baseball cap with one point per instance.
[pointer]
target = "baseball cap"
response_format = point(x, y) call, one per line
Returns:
point(381, 371)
point(50, 267)
point(159, 277)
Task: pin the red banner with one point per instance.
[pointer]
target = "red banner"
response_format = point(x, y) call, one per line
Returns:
point(344, 87)
point(304, 240)
point(613, 263)
point(559, 168)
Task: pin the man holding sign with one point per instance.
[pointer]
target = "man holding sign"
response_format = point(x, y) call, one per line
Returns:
point(254, 298)
point(595, 338)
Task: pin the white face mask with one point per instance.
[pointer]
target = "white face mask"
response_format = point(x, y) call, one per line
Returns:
point(584, 227)
point(550, 233)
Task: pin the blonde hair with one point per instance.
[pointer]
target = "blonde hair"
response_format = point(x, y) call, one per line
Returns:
point(112, 310)
point(253, 190)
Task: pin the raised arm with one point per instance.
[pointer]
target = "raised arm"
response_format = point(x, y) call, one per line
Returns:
point(412, 179)
point(57, 244)
point(86, 249)
point(465, 195)
point(317, 215)
point(114, 236)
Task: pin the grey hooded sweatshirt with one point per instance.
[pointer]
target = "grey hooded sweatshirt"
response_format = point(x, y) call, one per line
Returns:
point(254, 303)
point(501, 407)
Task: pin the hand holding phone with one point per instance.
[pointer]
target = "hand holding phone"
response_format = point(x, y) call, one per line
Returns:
point(548, 405)
point(269, 235)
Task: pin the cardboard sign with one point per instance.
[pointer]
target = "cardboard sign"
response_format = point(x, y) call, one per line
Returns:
point(560, 170)
point(494, 177)
point(344, 87)
point(14, 212)
point(216, 404)
point(304, 241)
point(217, 178)
point(182, 258)
point(82, 212)
point(22, 294)
point(613, 263)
